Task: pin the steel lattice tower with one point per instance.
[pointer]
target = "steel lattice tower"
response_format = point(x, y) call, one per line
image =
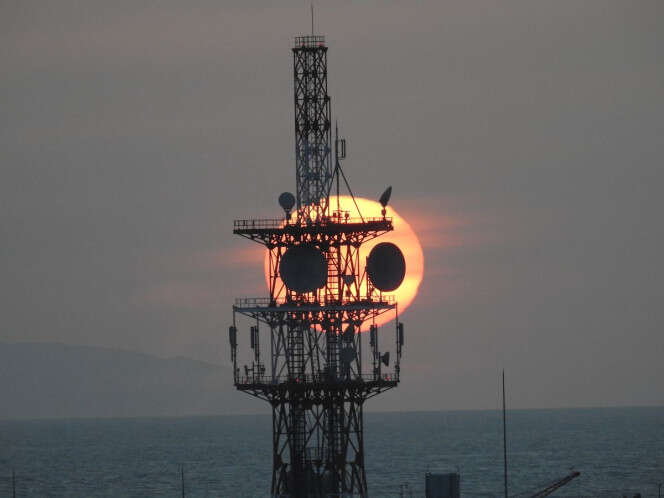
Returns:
point(313, 125)
point(315, 382)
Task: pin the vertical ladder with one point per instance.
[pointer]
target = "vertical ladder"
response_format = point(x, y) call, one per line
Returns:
point(295, 353)
point(298, 428)
point(333, 287)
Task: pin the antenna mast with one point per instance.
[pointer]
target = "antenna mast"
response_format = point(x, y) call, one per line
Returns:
point(504, 437)
point(319, 301)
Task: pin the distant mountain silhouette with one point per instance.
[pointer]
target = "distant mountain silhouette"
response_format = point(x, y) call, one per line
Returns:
point(56, 380)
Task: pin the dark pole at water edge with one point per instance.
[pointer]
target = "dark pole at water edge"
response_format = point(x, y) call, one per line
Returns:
point(504, 437)
point(13, 484)
point(182, 478)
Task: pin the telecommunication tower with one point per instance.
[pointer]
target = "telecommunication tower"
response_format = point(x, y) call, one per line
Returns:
point(321, 301)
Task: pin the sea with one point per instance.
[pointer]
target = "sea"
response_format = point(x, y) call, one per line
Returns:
point(618, 451)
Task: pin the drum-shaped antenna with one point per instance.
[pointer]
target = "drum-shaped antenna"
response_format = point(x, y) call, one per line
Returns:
point(386, 266)
point(349, 333)
point(287, 201)
point(303, 268)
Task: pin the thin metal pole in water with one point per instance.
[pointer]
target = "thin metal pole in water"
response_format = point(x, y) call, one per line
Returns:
point(13, 484)
point(504, 438)
point(182, 478)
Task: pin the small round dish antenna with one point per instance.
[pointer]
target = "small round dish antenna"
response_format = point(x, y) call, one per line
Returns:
point(287, 201)
point(303, 268)
point(385, 358)
point(384, 199)
point(386, 266)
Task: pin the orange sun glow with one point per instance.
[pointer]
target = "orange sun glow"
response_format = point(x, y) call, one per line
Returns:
point(402, 236)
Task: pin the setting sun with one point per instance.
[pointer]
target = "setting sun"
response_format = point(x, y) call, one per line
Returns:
point(403, 236)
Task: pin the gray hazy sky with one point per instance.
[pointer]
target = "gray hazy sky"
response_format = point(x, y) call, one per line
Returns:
point(523, 140)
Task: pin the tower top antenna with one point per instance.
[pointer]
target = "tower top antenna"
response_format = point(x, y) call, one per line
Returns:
point(312, 19)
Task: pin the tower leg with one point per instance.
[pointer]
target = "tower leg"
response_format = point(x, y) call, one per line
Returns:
point(303, 470)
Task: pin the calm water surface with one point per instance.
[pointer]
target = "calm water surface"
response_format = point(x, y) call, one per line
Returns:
point(617, 450)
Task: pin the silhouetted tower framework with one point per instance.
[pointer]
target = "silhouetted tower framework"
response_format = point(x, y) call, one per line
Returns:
point(320, 302)
point(313, 125)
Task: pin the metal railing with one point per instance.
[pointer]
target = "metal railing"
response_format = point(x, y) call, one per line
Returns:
point(258, 223)
point(264, 223)
point(321, 378)
point(242, 302)
point(309, 41)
